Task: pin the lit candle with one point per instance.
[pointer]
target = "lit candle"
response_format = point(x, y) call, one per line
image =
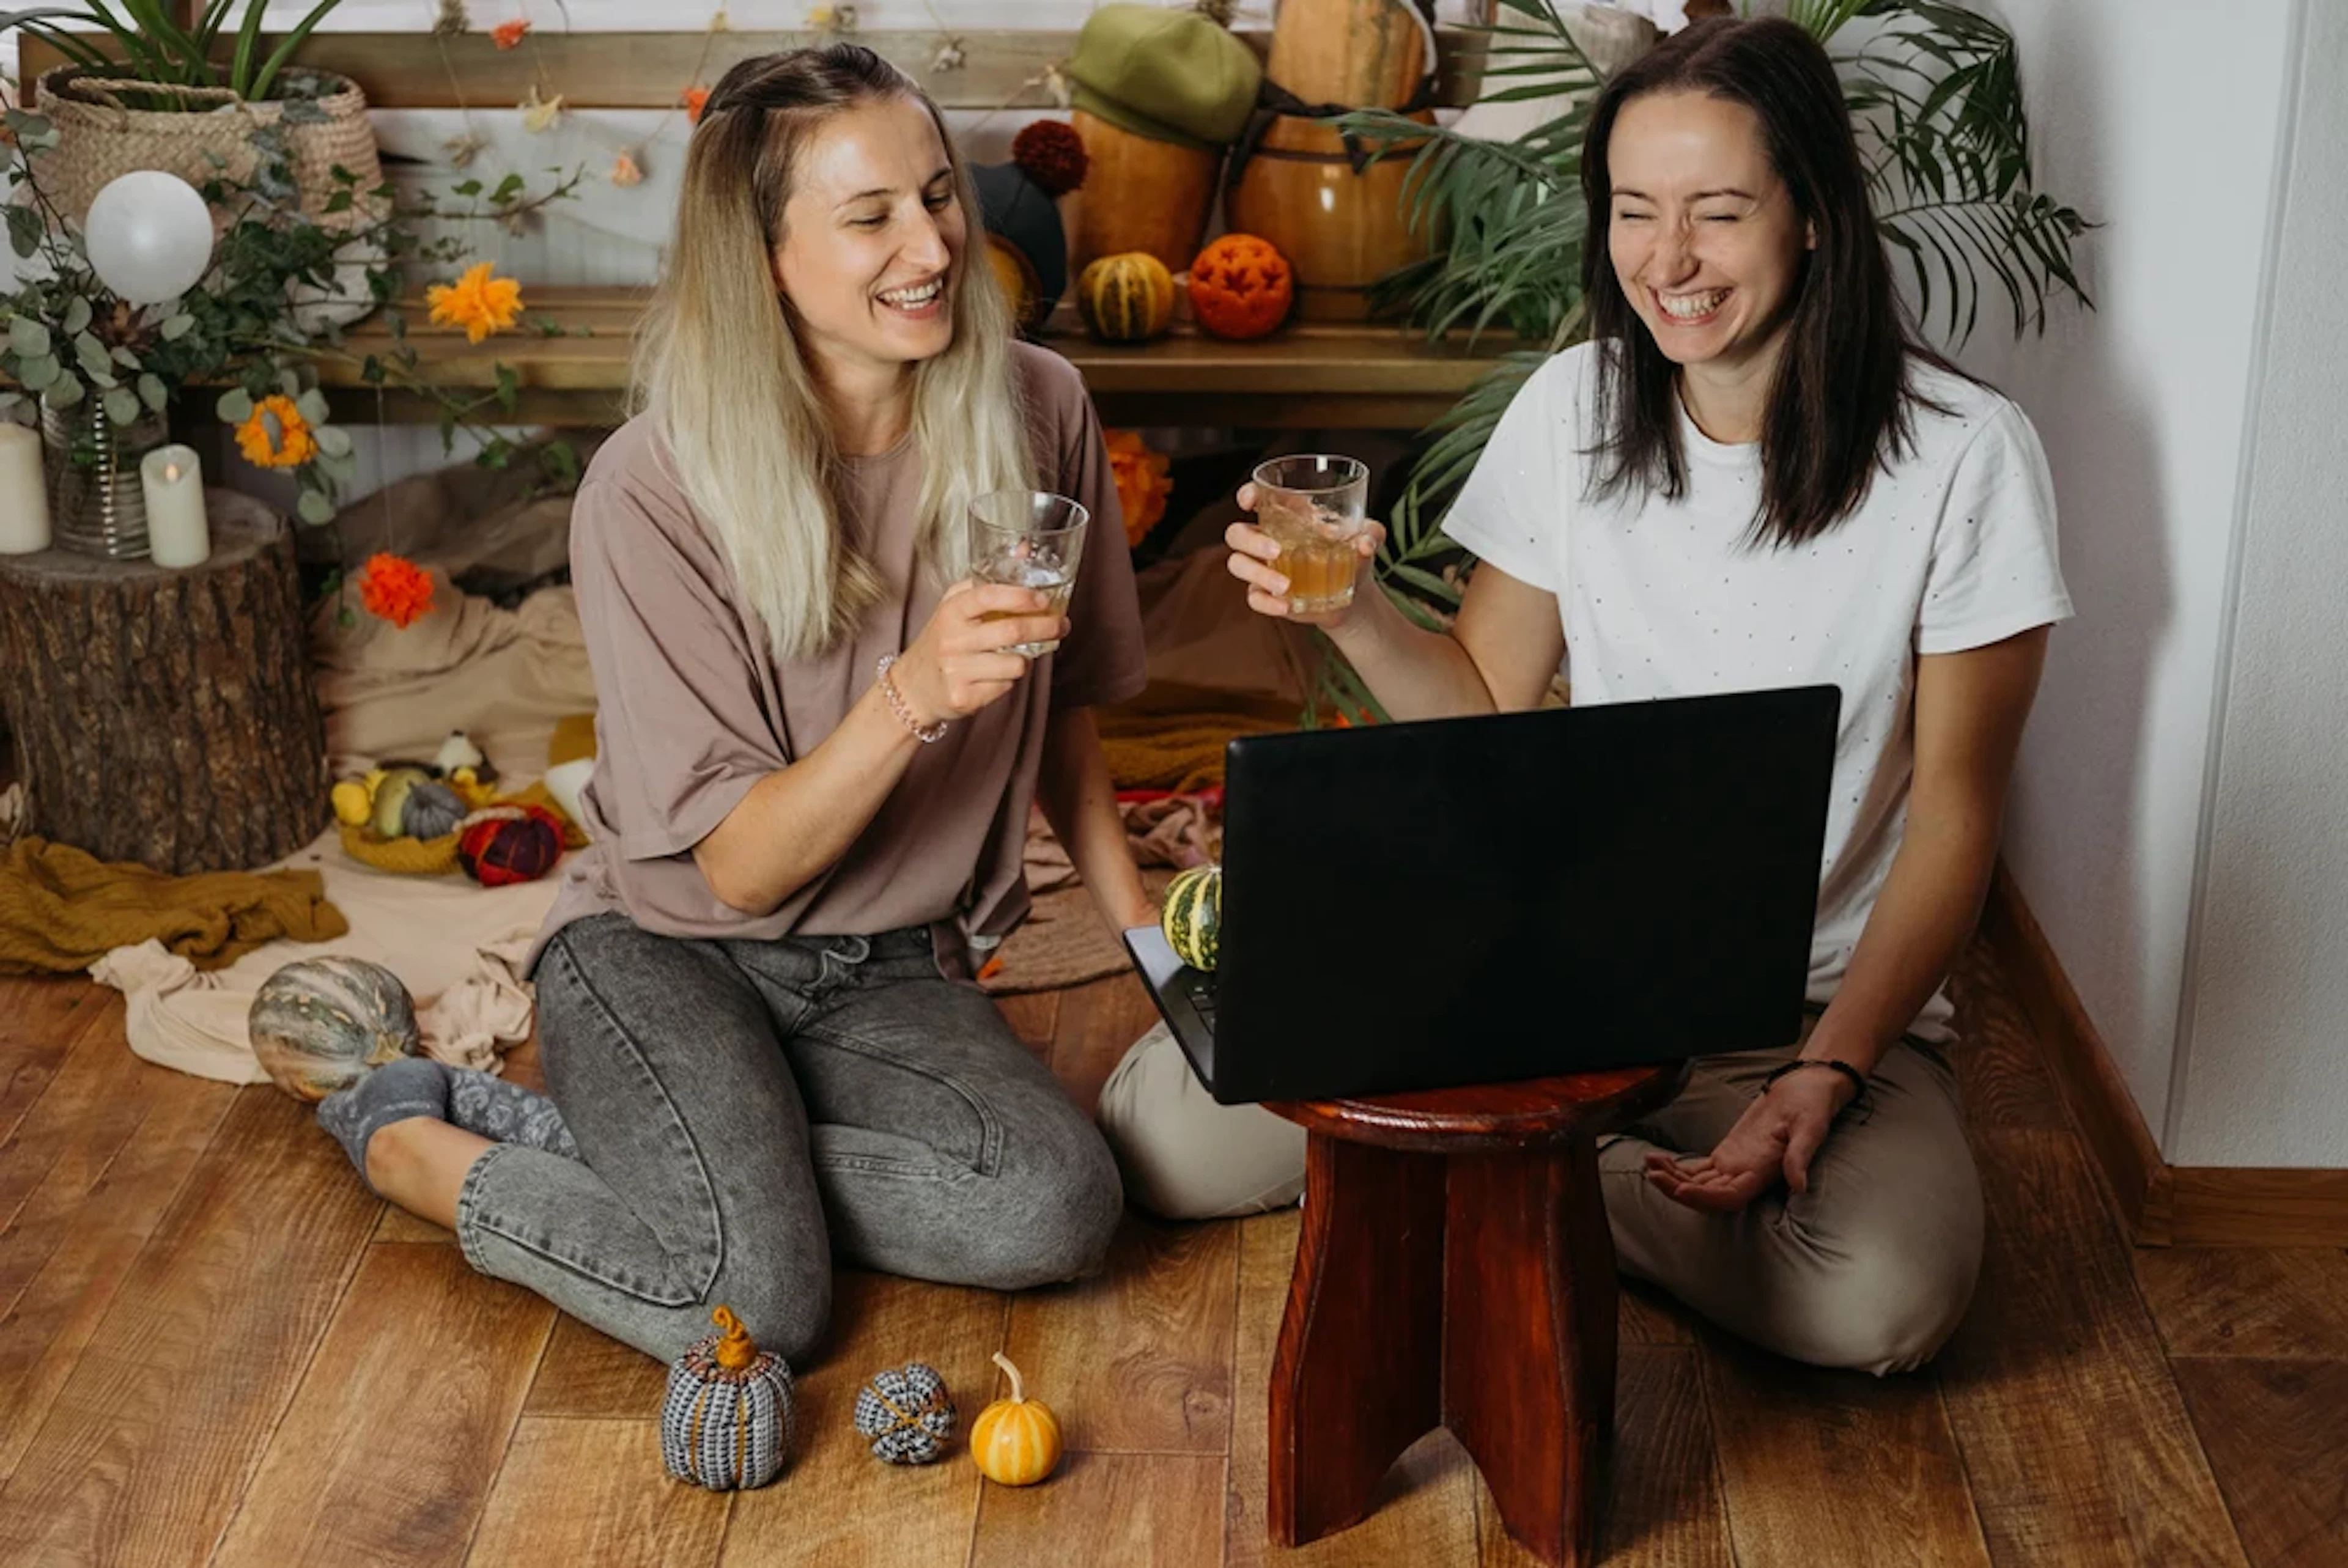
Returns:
point(177, 532)
point(24, 492)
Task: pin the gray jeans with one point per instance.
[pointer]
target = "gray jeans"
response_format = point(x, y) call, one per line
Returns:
point(747, 1109)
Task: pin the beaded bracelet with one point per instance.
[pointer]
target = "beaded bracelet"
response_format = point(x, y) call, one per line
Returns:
point(1844, 1067)
point(897, 704)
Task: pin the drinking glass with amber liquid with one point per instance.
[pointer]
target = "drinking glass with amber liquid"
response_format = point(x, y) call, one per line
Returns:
point(1315, 506)
point(1029, 539)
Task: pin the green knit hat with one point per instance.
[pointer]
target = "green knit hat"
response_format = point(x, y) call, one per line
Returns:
point(1174, 76)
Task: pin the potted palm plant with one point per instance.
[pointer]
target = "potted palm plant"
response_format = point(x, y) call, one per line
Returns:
point(140, 91)
point(1935, 91)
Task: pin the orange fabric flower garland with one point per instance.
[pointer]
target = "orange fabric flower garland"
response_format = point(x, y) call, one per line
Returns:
point(276, 436)
point(395, 589)
point(479, 302)
point(1142, 484)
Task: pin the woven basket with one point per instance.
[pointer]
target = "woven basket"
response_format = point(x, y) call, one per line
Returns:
point(100, 137)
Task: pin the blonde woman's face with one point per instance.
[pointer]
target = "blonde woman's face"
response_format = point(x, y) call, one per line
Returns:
point(872, 238)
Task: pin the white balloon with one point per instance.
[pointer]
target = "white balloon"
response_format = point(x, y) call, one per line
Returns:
point(148, 235)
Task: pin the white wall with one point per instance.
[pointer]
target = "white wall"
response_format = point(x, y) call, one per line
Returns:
point(2160, 118)
point(2263, 1077)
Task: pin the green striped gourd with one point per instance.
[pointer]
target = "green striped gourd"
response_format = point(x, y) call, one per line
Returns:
point(1193, 916)
point(1127, 298)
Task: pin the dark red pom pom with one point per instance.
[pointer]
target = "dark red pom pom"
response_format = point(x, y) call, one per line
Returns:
point(1052, 154)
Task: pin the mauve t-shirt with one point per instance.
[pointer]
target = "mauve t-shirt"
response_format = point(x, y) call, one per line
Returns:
point(692, 708)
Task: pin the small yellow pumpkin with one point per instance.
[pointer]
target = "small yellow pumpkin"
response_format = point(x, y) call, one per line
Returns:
point(1016, 1441)
point(1127, 298)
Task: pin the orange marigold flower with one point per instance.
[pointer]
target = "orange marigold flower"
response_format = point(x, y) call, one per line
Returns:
point(276, 436)
point(696, 99)
point(507, 35)
point(395, 589)
point(1142, 486)
point(477, 302)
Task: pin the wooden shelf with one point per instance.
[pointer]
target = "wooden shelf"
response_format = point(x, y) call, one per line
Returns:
point(1303, 376)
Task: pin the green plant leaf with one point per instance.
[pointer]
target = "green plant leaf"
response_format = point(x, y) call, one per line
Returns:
point(332, 440)
point(124, 357)
point(76, 316)
point(25, 231)
point(314, 507)
point(176, 327)
point(91, 353)
point(289, 382)
point(27, 339)
point(311, 406)
point(154, 394)
point(235, 406)
point(37, 373)
point(121, 405)
point(64, 392)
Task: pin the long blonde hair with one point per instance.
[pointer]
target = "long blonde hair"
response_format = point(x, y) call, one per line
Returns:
point(721, 371)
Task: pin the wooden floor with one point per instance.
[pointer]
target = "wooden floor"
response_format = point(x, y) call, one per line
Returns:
point(215, 1346)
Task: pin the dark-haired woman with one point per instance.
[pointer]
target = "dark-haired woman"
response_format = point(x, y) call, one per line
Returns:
point(1751, 477)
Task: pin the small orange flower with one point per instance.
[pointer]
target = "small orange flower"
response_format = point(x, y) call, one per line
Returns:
point(625, 170)
point(696, 99)
point(276, 436)
point(509, 34)
point(477, 302)
point(1142, 486)
point(395, 589)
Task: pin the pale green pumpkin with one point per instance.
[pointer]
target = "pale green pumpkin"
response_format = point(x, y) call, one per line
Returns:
point(318, 1023)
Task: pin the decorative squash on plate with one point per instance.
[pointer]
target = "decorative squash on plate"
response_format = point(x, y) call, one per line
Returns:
point(1241, 287)
point(1193, 916)
point(1016, 1441)
point(1127, 298)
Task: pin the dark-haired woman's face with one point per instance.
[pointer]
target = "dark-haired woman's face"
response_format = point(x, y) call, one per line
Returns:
point(1703, 234)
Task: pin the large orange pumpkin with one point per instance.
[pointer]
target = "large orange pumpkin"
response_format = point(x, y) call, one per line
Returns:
point(1127, 298)
point(1241, 287)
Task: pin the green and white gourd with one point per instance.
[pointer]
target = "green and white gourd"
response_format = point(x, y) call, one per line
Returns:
point(1193, 916)
point(318, 1024)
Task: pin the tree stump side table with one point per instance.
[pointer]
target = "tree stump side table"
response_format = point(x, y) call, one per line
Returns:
point(166, 717)
point(1454, 1269)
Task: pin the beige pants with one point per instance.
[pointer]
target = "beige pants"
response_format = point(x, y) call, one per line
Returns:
point(1872, 1268)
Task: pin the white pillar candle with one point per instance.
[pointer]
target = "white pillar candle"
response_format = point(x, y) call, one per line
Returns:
point(23, 491)
point(178, 533)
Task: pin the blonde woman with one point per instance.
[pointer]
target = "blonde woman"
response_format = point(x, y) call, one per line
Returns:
point(816, 755)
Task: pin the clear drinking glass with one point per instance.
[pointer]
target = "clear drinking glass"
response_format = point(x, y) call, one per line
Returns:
point(1315, 506)
point(1029, 539)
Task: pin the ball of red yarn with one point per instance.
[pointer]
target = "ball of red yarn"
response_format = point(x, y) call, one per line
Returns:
point(512, 849)
point(1052, 154)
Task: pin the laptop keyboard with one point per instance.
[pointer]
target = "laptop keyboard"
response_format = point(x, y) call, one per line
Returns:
point(1200, 990)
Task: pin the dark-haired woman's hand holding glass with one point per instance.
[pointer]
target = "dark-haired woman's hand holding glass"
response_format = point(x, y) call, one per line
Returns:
point(1255, 560)
point(962, 660)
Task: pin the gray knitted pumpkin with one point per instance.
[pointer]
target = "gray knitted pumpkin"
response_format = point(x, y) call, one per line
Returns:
point(730, 1416)
point(318, 1023)
point(905, 1414)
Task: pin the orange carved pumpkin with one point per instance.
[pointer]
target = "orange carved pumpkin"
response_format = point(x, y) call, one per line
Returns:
point(1241, 287)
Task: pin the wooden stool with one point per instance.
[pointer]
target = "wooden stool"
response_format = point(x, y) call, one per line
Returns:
point(1455, 1270)
point(166, 717)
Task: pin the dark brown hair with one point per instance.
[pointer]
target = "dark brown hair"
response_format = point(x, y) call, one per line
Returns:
point(1840, 404)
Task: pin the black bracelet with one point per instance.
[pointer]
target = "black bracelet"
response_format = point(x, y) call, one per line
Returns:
point(1844, 1067)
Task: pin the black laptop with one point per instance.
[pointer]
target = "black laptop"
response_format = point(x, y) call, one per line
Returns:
point(1459, 901)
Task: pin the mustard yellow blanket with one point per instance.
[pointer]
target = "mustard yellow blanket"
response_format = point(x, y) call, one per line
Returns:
point(62, 910)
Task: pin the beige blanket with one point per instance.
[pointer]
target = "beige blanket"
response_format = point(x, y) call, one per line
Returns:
point(506, 677)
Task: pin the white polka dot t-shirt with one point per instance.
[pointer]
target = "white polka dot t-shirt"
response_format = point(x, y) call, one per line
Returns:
point(1954, 549)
